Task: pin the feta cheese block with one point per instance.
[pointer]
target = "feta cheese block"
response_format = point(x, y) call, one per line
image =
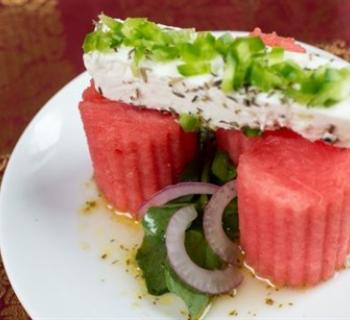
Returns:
point(159, 85)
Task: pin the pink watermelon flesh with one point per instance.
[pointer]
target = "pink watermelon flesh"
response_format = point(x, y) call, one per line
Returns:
point(294, 208)
point(135, 152)
point(234, 142)
point(273, 40)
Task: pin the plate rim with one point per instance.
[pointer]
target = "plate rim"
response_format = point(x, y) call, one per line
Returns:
point(3, 186)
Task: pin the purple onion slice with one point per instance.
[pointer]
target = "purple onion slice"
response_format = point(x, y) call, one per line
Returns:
point(175, 191)
point(206, 281)
point(212, 223)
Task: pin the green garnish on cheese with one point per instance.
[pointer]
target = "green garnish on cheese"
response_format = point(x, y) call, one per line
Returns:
point(189, 123)
point(251, 132)
point(247, 61)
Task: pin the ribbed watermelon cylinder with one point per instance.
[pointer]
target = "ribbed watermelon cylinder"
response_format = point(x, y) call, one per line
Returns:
point(135, 151)
point(294, 209)
point(234, 142)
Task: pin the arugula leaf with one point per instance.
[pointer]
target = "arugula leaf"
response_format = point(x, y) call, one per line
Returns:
point(149, 253)
point(151, 256)
point(152, 259)
point(201, 254)
point(222, 167)
point(230, 220)
point(196, 302)
point(199, 251)
point(211, 165)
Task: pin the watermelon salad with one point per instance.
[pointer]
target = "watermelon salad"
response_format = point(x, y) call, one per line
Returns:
point(226, 148)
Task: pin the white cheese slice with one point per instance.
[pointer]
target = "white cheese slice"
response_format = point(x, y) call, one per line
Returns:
point(161, 87)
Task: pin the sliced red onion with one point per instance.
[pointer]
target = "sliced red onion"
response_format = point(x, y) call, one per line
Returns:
point(175, 191)
point(212, 223)
point(207, 281)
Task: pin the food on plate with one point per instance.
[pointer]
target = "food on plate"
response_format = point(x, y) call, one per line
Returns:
point(235, 142)
point(294, 208)
point(218, 144)
point(273, 40)
point(134, 152)
point(227, 82)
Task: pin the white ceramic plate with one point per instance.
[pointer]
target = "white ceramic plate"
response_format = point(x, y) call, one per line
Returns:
point(53, 252)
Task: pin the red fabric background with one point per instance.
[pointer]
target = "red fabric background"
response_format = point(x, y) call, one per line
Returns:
point(40, 40)
point(308, 20)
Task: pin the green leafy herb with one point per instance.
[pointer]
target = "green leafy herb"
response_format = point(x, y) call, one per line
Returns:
point(152, 256)
point(152, 259)
point(230, 220)
point(196, 302)
point(211, 165)
point(199, 250)
point(222, 167)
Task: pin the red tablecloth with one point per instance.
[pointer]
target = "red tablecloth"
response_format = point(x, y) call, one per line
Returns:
point(40, 51)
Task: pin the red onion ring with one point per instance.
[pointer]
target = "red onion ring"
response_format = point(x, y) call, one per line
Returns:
point(212, 223)
point(207, 281)
point(175, 191)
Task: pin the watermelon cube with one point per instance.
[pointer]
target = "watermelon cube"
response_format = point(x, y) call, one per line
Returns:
point(273, 40)
point(135, 152)
point(234, 142)
point(294, 208)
